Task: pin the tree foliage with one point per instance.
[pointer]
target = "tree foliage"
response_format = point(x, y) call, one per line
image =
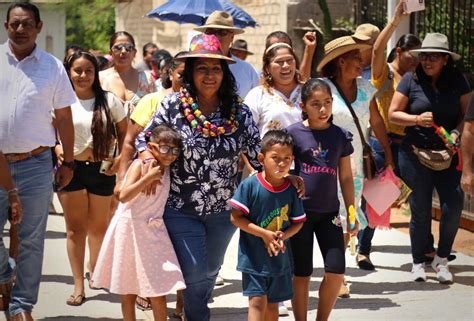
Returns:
point(90, 23)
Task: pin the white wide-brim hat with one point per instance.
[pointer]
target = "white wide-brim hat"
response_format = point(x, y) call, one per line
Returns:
point(435, 42)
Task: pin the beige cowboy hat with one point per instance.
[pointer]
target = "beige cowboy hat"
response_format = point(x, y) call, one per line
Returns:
point(435, 42)
point(367, 30)
point(341, 45)
point(220, 20)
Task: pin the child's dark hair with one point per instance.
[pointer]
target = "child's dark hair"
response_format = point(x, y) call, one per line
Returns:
point(164, 133)
point(311, 86)
point(274, 137)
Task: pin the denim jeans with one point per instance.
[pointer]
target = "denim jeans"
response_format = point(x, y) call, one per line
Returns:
point(33, 178)
point(366, 235)
point(422, 180)
point(200, 243)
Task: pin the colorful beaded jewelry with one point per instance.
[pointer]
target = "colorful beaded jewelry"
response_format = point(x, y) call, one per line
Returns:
point(199, 122)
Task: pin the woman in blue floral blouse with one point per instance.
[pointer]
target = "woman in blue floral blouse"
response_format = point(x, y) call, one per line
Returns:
point(215, 127)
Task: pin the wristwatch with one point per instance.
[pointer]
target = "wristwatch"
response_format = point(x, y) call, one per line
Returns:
point(71, 165)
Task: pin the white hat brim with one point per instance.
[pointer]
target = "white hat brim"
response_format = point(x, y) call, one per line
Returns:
point(416, 52)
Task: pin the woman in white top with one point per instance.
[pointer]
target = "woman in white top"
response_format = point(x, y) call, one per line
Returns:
point(275, 104)
point(100, 124)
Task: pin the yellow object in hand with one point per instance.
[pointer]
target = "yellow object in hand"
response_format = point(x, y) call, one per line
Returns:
point(352, 220)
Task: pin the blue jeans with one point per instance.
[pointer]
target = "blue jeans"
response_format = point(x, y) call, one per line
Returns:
point(200, 243)
point(366, 235)
point(422, 180)
point(33, 178)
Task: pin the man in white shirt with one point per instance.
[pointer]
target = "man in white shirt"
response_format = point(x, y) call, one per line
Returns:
point(221, 25)
point(33, 84)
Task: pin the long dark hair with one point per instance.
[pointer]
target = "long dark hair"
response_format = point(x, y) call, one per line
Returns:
point(172, 65)
point(311, 86)
point(102, 132)
point(405, 43)
point(448, 77)
point(227, 92)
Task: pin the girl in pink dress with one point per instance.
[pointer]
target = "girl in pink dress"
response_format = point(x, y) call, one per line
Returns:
point(137, 257)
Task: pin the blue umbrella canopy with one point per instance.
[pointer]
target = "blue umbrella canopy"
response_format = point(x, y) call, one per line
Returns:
point(197, 11)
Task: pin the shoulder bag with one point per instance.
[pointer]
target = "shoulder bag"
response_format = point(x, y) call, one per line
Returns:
point(368, 159)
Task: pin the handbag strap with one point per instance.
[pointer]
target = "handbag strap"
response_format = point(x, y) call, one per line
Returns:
point(116, 141)
point(356, 119)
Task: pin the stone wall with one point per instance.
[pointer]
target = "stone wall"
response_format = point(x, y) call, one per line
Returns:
point(271, 15)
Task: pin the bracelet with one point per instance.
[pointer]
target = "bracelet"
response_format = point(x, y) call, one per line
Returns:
point(147, 160)
point(394, 25)
point(12, 191)
point(416, 120)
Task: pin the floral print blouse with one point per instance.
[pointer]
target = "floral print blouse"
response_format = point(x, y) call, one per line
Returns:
point(203, 178)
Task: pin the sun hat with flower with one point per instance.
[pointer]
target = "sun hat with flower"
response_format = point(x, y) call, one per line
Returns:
point(205, 46)
point(435, 42)
point(340, 46)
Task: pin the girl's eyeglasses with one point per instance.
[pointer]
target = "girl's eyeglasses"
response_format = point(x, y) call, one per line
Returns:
point(128, 47)
point(163, 149)
point(429, 56)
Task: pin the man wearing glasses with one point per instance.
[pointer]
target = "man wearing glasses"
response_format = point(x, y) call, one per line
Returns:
point(221, 25)
point(32, 85)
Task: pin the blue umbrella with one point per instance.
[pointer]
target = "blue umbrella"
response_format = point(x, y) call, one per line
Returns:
point(197, 11)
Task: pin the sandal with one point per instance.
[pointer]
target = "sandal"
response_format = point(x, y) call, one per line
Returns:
point(76, 300)
point(143, 304)
point(5, 295)
point(179, 316)
point(91, 284)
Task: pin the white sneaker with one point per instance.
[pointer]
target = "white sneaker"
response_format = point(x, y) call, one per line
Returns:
point(282, 309)
point(418, 272)
point(219, 280)
point(440, 265)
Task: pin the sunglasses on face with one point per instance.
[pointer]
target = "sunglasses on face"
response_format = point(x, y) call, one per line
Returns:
point(128, 47)
point(163, 149)
point(218, 32)
point(429, 56)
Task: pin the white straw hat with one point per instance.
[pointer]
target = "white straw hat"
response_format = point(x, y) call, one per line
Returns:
point(435, 42)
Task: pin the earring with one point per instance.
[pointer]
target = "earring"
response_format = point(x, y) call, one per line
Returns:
point(269, 77)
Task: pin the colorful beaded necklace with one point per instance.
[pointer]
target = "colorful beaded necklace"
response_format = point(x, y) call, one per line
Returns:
point(199, 122)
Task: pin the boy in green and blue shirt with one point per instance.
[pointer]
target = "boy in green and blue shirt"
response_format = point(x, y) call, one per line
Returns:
point(268, 211)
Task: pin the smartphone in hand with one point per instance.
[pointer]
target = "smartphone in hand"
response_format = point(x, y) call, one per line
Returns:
point(414, 5)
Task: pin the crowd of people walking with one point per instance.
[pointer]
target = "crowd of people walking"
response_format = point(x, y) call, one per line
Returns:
point(150, 162)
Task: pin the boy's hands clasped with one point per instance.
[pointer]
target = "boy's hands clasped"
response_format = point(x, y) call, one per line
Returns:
point(274, 242)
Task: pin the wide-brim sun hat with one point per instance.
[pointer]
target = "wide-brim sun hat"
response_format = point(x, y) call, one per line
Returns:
point(342, 45)
point(220, 20)
point(435, 42)
point(205, 46)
